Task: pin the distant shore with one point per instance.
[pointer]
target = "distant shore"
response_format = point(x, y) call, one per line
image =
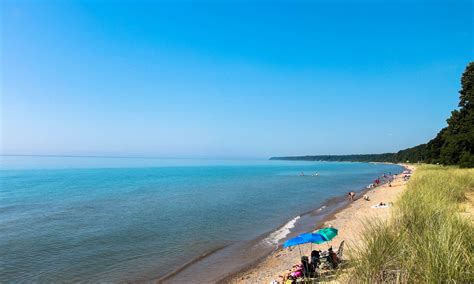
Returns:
point(349, 222)
point(361, 158)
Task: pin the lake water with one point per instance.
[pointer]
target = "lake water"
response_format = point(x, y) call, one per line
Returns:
point(134, 219)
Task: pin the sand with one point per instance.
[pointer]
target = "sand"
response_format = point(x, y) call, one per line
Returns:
point(349, 221)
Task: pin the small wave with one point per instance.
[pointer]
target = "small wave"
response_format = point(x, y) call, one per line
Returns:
point(282, 232)
point(322, 208)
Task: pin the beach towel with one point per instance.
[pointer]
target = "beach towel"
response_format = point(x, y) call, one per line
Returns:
point(380, 206)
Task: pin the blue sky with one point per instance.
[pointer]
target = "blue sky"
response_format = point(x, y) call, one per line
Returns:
point(229, 78)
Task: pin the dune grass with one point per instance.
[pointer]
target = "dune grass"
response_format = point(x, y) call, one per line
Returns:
point(426, 240)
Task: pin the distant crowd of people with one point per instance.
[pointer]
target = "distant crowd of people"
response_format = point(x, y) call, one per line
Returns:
point(384, 179)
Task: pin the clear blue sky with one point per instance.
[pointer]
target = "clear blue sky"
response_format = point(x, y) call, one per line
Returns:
point(229, 78)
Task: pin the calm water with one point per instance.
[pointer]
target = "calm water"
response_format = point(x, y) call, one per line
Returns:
point(104, 219)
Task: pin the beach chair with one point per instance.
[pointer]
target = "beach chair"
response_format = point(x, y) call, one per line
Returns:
point(340, 251)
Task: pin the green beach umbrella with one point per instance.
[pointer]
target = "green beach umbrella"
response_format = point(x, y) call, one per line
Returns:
point(327, 234)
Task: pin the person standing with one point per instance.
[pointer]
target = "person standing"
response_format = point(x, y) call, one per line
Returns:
point(351, 195)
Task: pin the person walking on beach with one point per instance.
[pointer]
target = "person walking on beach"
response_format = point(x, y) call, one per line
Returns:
point(351, 195)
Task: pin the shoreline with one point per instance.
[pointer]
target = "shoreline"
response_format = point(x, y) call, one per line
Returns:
point(262, 247)
point(268, 268)
point(232, 277)
point(324, 212)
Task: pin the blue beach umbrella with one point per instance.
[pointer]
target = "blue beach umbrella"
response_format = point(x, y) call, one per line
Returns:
point(318, 237)
point(299, 240)
point(305, 238)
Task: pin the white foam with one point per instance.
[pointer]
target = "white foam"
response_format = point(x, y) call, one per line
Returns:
point(282, 232)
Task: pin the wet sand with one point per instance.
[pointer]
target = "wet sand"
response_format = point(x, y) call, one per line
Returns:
point(349, 222)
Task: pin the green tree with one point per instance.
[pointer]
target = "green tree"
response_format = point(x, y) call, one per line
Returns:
point(458, 146)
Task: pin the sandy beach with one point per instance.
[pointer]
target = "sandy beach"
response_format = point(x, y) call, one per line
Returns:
point(349, 221)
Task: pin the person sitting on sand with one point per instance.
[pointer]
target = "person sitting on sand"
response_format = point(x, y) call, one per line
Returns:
point(315, 259)
point(294, 273)
point(332, 258)
point(300, 270)
point(366, 197)
point(307, 268)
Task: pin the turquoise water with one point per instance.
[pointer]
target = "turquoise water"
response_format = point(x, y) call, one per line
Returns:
point(116, 219)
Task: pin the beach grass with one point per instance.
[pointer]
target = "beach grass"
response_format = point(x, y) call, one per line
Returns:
point(427, 239)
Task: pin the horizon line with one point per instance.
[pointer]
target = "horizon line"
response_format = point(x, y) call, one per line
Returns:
point(119, 157)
